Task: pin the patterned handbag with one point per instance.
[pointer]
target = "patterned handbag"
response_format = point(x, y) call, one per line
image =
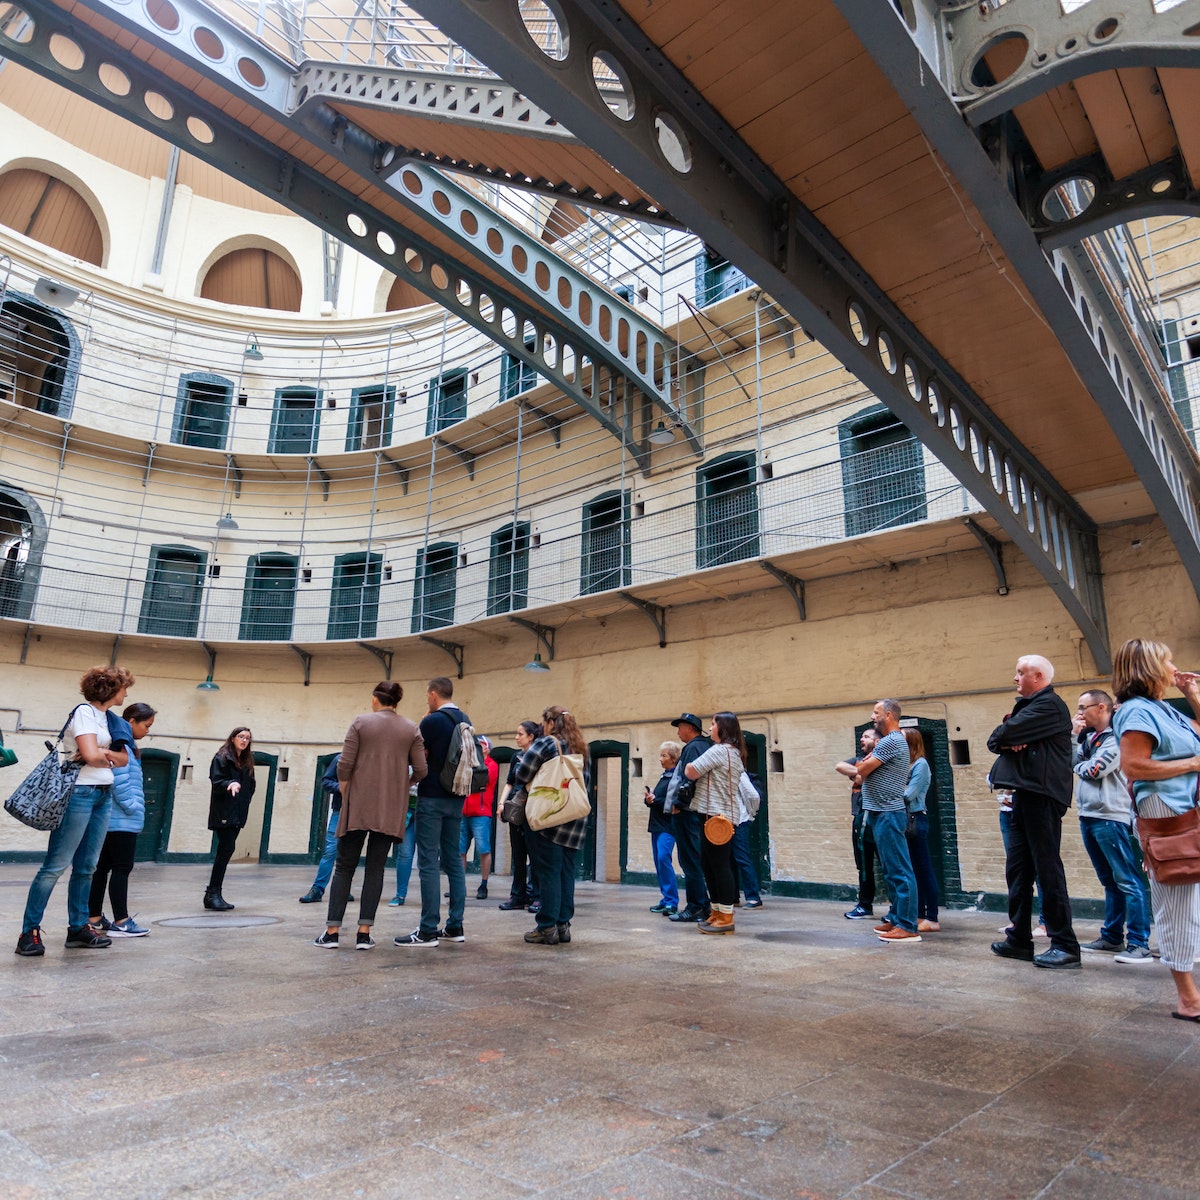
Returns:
point(41, 798)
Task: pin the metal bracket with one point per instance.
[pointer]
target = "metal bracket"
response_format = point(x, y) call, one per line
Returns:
point(463, 456)
point(550, 421)
point(793, 584)
point(112, 658)
point(151, 447)
point(657, 615)
point(400, 469)
point(322, 475)
point(306, 659)
point(384, 657)
point(994, 550)
point(211, 654)
point(231, 464)
point(454, 649)
point(677, 148)
point(25, 643)
point(543, 633)
point(66, 437)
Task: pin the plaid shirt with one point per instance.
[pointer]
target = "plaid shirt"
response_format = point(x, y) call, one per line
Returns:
point(571, 835)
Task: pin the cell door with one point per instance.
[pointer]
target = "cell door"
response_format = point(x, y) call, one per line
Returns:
point(159, 772)
point(760, 833)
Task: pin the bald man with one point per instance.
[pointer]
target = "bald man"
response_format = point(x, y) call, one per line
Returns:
point(1034, 747)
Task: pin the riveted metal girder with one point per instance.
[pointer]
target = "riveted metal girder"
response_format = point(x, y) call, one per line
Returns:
point(483, 103)
point(600, 351)
point(669, 141)
point(1056, 46)
point(1126, 385)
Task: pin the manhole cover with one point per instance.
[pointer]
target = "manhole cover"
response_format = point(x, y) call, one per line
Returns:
point(217, 922)
point(812, 937)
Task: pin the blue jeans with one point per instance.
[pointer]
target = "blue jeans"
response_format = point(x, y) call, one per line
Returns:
point(887, 829)
point(918, 852)
point(325, 866)
point(744, 865)
point(662, 845)
point(438, 821)
point(76, 842)
point(1126, 898)
point(404, 857)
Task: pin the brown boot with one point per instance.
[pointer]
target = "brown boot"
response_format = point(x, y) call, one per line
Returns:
point(719, 922)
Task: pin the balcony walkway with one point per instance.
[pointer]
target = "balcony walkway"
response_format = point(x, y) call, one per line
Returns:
point(799, 1058)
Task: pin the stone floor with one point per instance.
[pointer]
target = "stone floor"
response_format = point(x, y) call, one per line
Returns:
point(799, 1058)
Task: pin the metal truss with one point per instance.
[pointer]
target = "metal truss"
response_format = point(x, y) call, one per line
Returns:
point(1125, 384)
point(668, 140)
point(609, 359)
point(484, 103)
point(1057, 46)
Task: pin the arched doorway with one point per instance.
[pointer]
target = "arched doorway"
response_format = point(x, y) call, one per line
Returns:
point(39, 355)
point(22, 540)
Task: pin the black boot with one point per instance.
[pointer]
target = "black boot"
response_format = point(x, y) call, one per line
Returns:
point(216, 901)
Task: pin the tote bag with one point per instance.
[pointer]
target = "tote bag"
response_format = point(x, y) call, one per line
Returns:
point(41, 799)
point(557, 794)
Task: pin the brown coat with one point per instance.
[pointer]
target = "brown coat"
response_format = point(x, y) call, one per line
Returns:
point(373, 771)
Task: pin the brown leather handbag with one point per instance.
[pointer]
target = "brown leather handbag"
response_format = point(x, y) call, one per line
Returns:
point(1171, 847)
point(718, 828)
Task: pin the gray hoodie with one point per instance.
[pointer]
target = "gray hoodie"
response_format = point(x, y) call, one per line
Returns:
point(1101, 791)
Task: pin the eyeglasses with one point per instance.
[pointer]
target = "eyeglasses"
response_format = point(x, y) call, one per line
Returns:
point(1085, 707)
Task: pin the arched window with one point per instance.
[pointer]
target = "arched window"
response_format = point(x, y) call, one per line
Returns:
point(202, 410)
point(883, 472)
point(404, 295)
point(51, 212)
point(269, 601)
point(174, 589)
point(39, 356)
point(22, 539)
point(727, 503)
point(253, 278)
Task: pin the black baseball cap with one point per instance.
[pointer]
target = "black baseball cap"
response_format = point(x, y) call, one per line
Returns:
point(688, 718)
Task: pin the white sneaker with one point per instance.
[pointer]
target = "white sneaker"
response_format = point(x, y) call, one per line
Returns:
point(1134, 956)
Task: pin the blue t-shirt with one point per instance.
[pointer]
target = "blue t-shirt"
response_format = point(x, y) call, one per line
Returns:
point(883, 789)
point(1173, 738)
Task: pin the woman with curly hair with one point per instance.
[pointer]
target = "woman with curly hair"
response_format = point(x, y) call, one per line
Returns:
point(552, 851)
point(78, 839)
point(232, 777)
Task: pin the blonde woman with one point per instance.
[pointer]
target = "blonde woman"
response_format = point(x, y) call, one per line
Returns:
point(1160, 755)
point(662, 834)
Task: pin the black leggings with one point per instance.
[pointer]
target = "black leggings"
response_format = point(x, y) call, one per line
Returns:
point(717, 864)
point(113, 867)
point(226, 844)
point(350, 846)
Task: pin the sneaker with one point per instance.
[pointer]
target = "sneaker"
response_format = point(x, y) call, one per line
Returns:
point(510, 905)
point(543, 937)
point(753, 904)
point(858, 913)
point(326, 939)
point(452, 933)
point(1135, 955)
point(29, 945)
point(364, 941)
point(102, 925)
point(926, 926)
point(1101, 944)
point(535, 906)
point(885, 927)
point(312, 896)
point(126, 928)
point(897, 934)
point(86, 938)
point(663, 907)
point(564, 933)
point(481, 891)
point(417, 938)
point(396, 902)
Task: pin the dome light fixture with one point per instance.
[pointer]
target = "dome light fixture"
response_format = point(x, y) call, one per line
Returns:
point(250, 350)
point(227, 524)
point(537, 665)
point(662, 434)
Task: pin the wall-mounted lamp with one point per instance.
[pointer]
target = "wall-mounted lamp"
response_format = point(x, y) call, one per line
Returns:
point(55, 294)
point(227, 524)
point(208, 685)
point(662, 435)
point(250, 350)
point(536, 664)
point(545, 638)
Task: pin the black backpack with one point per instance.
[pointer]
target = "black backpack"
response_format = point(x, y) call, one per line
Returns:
point(479, 772)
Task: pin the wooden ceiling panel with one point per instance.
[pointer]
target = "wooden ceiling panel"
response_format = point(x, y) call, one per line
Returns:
point(1181, 90)
point(1129, 118)
point(1057, 127)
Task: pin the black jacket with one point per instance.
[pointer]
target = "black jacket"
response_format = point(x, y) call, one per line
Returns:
point(225, 810)
point(1041, 723)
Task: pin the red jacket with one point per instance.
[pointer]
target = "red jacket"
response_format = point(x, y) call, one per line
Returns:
point(482, 804)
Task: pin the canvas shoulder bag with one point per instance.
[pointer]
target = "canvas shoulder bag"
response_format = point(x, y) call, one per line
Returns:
point(558, 793)
point(40, 800)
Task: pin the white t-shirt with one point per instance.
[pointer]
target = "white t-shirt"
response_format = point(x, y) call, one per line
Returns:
point(88, 719)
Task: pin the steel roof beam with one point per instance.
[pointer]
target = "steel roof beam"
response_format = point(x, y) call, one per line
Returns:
point(1057, 46)
point(672, 144)
point(1095, 335)
point(590, 336)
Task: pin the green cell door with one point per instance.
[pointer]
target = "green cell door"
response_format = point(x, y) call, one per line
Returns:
point(760, 834)
point(159, 772)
